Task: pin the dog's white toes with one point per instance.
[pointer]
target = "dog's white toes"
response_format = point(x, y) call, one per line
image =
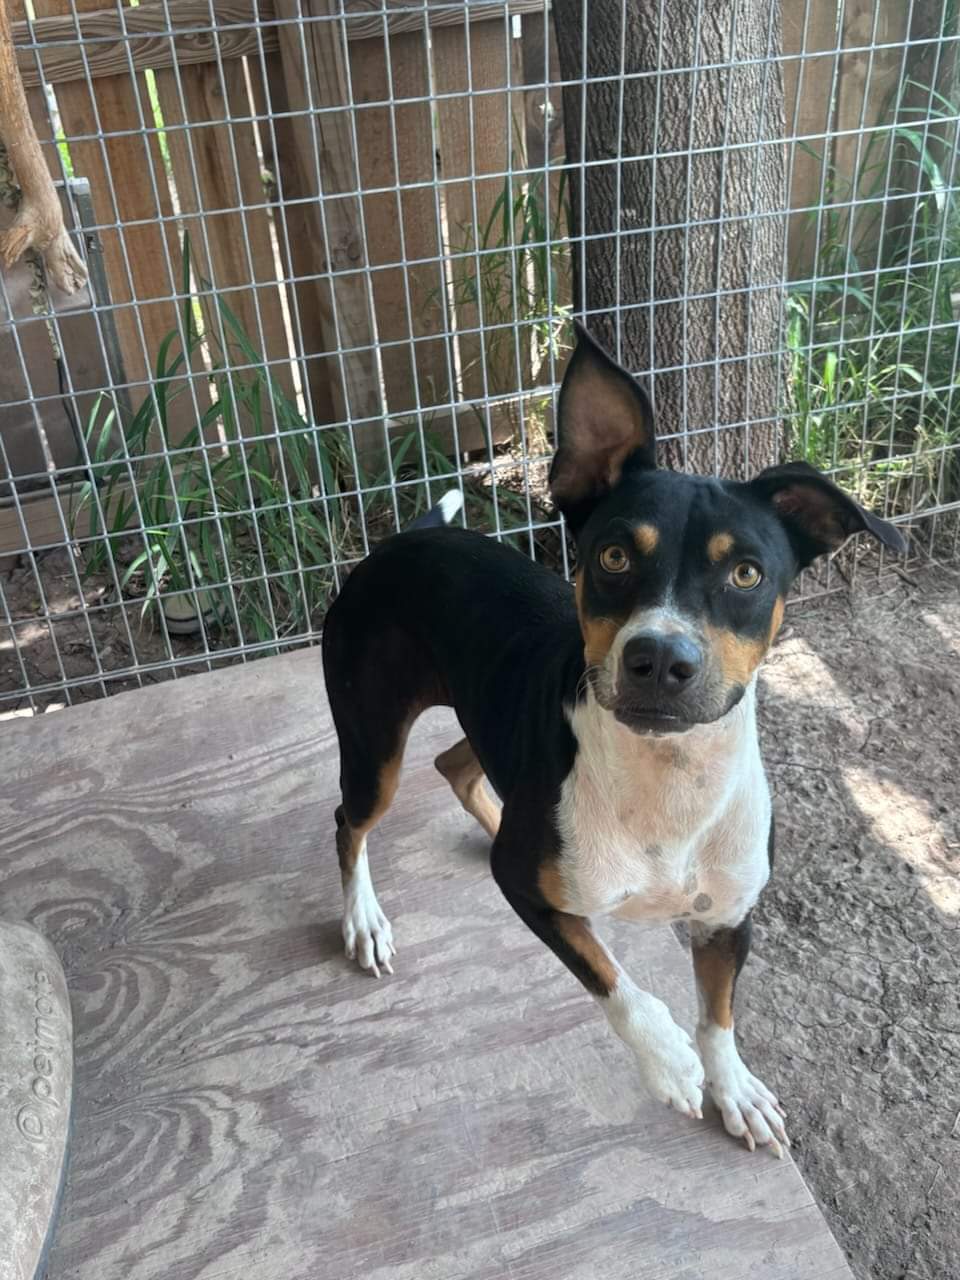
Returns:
point(673, 1073)
point(367, 936)
point(766, 1094)
point(368, 939)
point(669, 1066)
point(750, 1110)
point(750, 1116)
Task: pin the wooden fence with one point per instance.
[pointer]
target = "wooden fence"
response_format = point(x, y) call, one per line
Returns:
point(304, 167)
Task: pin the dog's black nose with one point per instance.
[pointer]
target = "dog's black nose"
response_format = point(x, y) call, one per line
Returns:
point(666, 663)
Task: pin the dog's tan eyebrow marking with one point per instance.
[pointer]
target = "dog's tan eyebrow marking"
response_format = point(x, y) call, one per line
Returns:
point(646, 536)
point(719, 546)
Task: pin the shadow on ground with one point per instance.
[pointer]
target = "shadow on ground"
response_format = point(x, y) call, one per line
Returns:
point(850, 1006)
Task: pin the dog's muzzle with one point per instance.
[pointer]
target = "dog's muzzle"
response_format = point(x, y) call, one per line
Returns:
point(658, 677)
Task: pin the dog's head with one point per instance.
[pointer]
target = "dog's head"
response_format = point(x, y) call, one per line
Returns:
point(681, 580)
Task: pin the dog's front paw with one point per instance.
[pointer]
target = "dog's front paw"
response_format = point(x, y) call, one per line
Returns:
point(669, 1066)
point(367, 935)
point(673, 1073)
point(750, 1111)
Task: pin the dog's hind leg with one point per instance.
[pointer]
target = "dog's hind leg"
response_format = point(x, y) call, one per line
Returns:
point(379, 680)
point(463, 771)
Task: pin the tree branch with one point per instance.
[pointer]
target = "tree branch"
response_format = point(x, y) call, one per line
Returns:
point(39, 219)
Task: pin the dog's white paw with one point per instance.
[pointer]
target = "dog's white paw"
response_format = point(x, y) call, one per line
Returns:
point(750, 1111)
point(367, 935)
point(669, 1066)
point(673, 1073)
point(368, 938)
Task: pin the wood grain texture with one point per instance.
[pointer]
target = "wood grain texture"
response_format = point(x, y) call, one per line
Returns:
point(144, 28)
point(808, 29)
point(248, 1104)
point(213, 154)
point(475, 138)
point(295, 223)
point(401, 225)
point(137, 258)
point(867, 87)
point(316, 74)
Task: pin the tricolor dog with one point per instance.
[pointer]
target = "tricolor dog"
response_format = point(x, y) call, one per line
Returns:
point(616, 721)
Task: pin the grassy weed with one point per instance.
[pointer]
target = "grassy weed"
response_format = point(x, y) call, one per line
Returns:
point(873, 339)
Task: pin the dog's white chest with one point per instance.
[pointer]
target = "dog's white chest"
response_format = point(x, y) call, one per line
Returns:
point(664, 829)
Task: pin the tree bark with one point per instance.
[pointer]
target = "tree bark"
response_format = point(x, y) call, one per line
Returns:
point(678, 248)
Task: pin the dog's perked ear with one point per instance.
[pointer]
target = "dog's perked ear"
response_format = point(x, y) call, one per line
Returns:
point(604, 428)
point(819, 516)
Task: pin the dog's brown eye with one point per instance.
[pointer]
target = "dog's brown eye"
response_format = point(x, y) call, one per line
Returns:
point(614, 559)
point(746, 576)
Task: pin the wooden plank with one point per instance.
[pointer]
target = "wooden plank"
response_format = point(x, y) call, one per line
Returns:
point(932, 61)
point(813, 79)
point(401, 225)
point(474, 140)
point(541, 64)
point(296, 224)
point(328, 167)
point(40, 522)
point(143, 293)
point(146, 26)
point(866, 94)
point(450, 1121)
point(216, 168)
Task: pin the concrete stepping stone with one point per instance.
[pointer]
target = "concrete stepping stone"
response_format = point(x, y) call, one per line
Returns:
point(36, 1085)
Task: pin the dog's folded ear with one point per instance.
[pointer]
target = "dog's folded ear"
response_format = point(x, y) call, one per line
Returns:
point(604, 428)
point(819, 516)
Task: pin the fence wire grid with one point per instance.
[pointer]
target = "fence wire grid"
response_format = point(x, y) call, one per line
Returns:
point(334, 251)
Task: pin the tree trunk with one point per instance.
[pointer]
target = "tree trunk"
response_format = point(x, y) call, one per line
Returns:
point(680, 270)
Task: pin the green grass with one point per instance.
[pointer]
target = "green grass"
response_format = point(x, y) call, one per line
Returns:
point(254, 505)
point(513, 269)
point(872, 350)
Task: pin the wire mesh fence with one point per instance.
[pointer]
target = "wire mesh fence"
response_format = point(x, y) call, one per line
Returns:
point(334, 249)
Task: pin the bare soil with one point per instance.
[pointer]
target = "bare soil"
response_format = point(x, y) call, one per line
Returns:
point(88, 637)
point(850, 1003)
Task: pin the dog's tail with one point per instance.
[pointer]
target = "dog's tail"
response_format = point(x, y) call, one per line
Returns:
point(445, 512)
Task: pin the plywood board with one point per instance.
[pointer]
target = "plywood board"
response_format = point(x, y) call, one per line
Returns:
point(248, 1104)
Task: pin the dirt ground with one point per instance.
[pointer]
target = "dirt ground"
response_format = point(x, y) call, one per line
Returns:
point(850, 1005)
point(44, 650)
